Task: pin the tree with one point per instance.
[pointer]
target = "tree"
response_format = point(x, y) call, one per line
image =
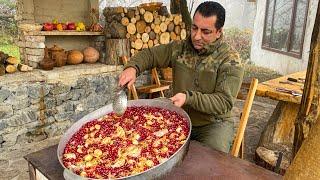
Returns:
point(307, 127)
point(181, 7)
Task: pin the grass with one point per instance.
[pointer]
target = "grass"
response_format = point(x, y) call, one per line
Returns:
point(10, 49)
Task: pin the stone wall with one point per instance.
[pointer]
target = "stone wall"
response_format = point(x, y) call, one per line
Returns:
point(41, 104)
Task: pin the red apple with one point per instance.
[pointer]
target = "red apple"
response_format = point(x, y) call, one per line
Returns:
point(71, 26)
point(47, 26)
point(64, 26)
point(54, 26)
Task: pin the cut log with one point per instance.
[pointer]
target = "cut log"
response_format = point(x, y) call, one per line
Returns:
point(145, 45)
point(148, 17)
point(164, 38)
point(183, 34)
point(145, 37)
point(171, 27)
point(128, 35)
point(24, 68)
point(157, 21)
point(152, 26)
point(142, 11)
point(163, 11)
point(152, 35)
point(178, 38)
point(133, 37)
point(136, 12)
point(117, 17)
point(131, 13)
point(131, 28)
point(173, 36)
point(132, 52)
point(133, 20)
point(138, 44)
point(125, 10)
point(138, 17)
point(138, 36)
point(10, 68)
point(170, 17)
point(125, 21)
point(132, 44)
point(155, 42)
point(183, 25)
point(177, 19)
point(2, 70)
point(112, 11)
point(115, 49)
point(155, 14)
point(147, 29)
point(12, 60)
point(141, 26)
point(177, 29)
point(116, 30)
point(163, 27)
point(157, 29)
point(163, 18)
point(123, 15)
point(150, 43)
point(167, 22)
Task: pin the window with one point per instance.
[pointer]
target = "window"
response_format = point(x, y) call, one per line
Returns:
point(284, 26)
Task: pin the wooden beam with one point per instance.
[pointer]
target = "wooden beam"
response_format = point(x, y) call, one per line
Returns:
point(307, 134)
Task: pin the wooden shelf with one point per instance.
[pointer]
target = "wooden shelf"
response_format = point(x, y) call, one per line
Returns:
point(63, 33)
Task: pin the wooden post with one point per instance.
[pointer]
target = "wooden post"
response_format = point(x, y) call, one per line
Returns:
point(306, 141)
point(116, 48)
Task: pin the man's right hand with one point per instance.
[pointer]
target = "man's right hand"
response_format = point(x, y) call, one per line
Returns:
point(127, 76)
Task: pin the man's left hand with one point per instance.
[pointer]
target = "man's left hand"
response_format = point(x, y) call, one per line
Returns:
point(179, 99)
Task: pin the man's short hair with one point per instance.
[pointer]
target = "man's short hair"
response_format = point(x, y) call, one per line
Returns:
point(211, 8)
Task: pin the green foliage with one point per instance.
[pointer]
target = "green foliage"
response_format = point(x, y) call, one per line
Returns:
point(11, 50)
point(240, 40)
point(8, 26)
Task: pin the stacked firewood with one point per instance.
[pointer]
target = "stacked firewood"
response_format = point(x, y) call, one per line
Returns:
point(143, 28)
point(9, 64)
point(146, 29)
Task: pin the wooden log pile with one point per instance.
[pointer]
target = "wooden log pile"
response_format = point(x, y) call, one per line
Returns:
point(144, 29)
point(9, 64)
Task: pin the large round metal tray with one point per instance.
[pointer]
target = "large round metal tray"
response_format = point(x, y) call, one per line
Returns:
point(155, 172)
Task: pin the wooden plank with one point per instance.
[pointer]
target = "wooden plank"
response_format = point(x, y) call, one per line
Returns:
point(268, 88)
point(63, 33)
point(152, 88)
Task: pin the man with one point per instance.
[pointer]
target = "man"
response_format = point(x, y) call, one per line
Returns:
point(207, 76)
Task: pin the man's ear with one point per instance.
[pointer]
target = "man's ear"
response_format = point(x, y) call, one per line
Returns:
point(219, 32)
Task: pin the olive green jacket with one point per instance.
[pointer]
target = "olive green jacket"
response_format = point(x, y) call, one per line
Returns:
point(210, 78)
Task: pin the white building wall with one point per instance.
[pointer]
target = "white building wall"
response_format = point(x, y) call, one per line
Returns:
point(281, 63)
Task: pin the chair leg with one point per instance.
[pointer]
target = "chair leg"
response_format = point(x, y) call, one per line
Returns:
point(161, 94)
point(242, 149)
point(129, 95)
